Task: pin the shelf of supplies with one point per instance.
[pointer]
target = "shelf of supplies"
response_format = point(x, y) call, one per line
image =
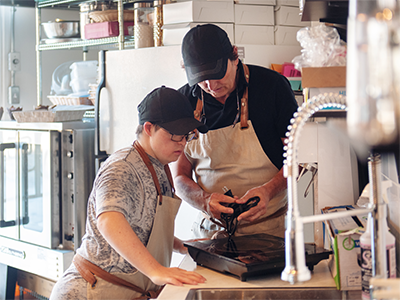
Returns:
point(70, 3)
point(65, 3)
point(110, 42)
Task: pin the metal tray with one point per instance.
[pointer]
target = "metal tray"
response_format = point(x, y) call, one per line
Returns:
point(48, 116)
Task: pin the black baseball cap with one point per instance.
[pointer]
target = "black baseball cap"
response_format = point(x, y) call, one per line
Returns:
point(170, 110)
point(205, 52)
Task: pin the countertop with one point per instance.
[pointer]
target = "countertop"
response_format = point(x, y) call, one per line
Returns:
point(321, 277)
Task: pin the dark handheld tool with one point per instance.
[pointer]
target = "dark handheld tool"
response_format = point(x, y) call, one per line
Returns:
point(231, 219)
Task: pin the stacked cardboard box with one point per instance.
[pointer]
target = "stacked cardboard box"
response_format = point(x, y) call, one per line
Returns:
point(180, 17)
point(321, 80)
point(343, 237)
point(247, 22)
point(288, 22)
point(254, 24)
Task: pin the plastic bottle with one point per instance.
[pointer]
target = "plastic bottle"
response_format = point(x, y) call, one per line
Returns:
point(366, 258)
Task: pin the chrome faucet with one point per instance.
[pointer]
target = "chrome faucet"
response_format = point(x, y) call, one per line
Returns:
point(296, 269)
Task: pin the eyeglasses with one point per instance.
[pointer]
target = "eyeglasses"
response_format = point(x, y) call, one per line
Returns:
point(178, 138)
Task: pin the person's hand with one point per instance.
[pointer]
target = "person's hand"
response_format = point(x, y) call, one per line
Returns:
point(176, 276)
point(215, 205)
point(260, 209)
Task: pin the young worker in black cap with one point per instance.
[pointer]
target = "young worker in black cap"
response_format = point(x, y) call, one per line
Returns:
point(247, 110)
point(129, 238)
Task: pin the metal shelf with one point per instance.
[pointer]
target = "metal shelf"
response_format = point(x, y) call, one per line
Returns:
point(72, 3)
point(119, 42)
point(111, 42)
point(59, 3)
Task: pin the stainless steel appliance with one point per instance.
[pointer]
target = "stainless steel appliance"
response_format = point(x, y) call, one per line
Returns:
point(46, 175)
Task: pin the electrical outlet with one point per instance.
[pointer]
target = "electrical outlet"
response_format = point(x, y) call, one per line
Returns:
point(14, 61)
point(13, 94)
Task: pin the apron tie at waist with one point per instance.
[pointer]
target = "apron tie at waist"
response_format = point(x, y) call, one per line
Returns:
point(88, 271)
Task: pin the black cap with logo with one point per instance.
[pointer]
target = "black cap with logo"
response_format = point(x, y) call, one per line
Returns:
point(205, 52)
point(170, 110)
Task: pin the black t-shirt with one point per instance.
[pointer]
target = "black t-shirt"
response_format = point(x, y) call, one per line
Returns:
point(271, 105)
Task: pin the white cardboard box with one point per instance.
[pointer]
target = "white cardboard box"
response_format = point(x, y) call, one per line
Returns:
point(311, 92)
point(254, 15)
point(289, 16)
point(295, 3)
point(256, 2)
point(174, 33)
point(254, 35)
point(198, 11)
point(286, 35)
point(343, 264)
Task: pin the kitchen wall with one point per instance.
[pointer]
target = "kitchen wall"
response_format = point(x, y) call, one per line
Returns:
point(25, 43)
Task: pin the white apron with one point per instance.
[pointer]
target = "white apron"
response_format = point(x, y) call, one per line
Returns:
point(233, 157)
point(160, 246)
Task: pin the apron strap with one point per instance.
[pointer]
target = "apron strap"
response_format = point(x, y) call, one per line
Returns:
point(88, 271)
point(244, 110)
point(197, 111)
point(149, 166)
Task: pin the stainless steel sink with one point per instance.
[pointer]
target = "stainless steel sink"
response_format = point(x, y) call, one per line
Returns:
point(263, 293)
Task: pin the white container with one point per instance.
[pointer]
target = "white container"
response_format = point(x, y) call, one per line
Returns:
point(254, 15)
point(254, 35)
point(289, 16)
point(286, 35)
point(82, 85)
point(199, 11)
point(366, 258)
point(143, 28)
point(173, 33)
point(83, 69)
point(61, 77)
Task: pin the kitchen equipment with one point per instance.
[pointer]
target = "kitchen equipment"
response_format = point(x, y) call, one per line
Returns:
point(83, 73)
point(143, 27)
point(158, 22)
point(87, 7)
point(49, 115)
point(60, 80)
point(110, 16)
point(71, 99)
point(250, 255)
point(62, 40)
point(230, 220)
point(46, 175)
point(61, 29)
point(107, 29)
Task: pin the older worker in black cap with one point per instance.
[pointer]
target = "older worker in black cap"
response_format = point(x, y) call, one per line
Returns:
point(129, 238)
point(247, 110)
